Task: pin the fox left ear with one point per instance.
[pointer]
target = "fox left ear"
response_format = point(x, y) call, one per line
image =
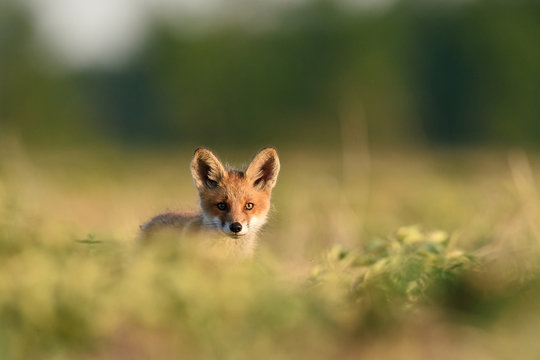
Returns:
point(263, 170)
point(206, 169)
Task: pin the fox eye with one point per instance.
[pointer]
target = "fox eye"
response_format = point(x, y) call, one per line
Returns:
point(249, 206)
point(222, 206)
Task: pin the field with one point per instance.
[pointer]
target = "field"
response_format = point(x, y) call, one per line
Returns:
point(380, 254)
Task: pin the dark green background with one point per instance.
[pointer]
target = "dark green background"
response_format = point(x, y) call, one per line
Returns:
point(459, 73)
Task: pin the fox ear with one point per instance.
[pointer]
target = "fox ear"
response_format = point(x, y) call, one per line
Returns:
point(206, 169)
point(263, 170)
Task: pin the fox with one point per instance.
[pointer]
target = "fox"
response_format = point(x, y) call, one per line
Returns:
point(234, 204)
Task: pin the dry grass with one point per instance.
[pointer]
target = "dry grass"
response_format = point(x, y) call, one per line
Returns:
point(73, 285)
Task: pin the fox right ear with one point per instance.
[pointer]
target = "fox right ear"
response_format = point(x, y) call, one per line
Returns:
point(264, 169)
point(206, 169)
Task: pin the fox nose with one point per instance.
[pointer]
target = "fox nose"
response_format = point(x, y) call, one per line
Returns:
point(236, 227)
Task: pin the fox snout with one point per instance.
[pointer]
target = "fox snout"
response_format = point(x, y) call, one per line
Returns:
point(235, 227)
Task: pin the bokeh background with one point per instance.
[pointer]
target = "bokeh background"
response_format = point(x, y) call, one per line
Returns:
point(386, 113)
point(158, 73)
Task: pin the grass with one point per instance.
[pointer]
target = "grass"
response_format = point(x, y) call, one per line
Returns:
point(400, 255)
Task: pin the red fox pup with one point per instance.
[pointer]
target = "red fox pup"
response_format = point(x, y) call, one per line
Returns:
point(234, 203)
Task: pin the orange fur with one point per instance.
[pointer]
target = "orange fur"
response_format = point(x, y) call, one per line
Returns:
point(235, 225)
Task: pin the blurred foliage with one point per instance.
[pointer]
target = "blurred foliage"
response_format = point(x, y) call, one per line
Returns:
point(451, 73)
point(323, 283)
point(101, 298)
point(406, 269)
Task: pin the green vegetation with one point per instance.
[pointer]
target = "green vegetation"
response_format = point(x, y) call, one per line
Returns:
point(335, 275)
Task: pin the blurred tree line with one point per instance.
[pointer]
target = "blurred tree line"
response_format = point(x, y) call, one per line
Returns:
point(451, 73)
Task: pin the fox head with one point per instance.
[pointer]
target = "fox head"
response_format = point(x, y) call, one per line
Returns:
point(232, 201)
